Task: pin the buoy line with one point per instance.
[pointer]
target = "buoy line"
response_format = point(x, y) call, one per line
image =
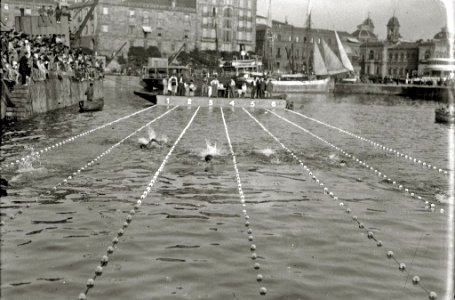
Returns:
point(89, 164)
point(129, 218)
point(428, 204)
point(256, 266)
point(370, 235)
point(406, 157)
point(37, 153)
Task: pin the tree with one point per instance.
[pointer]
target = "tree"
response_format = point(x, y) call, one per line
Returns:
point(138, 56)
point(153, 51)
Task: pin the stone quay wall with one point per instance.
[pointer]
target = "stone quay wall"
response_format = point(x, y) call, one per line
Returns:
point(436, 93)
point(43, 96)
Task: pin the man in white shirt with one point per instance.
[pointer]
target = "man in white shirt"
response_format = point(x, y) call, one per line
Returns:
point(214, 84)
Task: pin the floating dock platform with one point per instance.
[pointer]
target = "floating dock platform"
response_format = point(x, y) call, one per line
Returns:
point(223, 102)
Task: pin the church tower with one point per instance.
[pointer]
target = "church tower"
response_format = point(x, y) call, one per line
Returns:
point(393, 30)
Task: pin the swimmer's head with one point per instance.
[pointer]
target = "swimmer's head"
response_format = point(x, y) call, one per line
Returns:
point(208, 158)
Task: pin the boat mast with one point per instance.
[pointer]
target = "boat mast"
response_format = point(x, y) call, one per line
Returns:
point(216, 38)
point(309, 39)
point(269, 39)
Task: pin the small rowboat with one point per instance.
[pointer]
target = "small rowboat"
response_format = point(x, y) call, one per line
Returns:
point(443, 115)
point(94, 105)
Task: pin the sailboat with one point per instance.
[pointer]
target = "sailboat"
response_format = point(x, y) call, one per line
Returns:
point(325, 63)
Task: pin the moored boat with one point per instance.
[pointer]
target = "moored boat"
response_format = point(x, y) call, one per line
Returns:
point(300, 85)
point(149, 96)
point(321, 64)
point(95, 105)
point(156, 75)
point(444, 115)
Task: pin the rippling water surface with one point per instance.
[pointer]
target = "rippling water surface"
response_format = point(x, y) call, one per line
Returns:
point(188, 240)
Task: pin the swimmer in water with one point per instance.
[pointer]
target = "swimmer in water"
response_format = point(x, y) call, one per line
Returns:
point(150, 141)
point(208, 162)
point(149, 144)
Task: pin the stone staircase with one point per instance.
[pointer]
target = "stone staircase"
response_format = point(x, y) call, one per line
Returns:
point(22, 109)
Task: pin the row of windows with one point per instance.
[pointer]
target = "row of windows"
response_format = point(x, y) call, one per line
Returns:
point(145, 14)
point(221, 2)
point(228, 23)
point(402, 56)
point(399, 71)
point(226, 12)
point(298, 39)
point(391, 71)
point(227, 36)
point(225, 47)
point(296, 54)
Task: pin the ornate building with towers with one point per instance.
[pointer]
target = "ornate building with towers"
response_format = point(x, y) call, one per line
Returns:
point(392, 58)
point(395, 57)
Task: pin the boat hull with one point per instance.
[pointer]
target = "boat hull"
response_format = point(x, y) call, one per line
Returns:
point(444, 116)
point(298, 86)
point(95, 105)
point(149, 96)
point(152, 84)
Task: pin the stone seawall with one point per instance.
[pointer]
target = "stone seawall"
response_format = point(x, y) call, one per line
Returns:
point(44, 96)
point(436, 93)
point(373, 89)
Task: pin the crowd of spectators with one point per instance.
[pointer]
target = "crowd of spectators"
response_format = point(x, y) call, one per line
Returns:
point(26, 58)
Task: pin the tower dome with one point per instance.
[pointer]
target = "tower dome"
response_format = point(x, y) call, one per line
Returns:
point(368, 22)
point(393, 22)
point(393, 30)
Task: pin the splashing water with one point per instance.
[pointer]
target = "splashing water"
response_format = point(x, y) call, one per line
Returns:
point(267, 151)
point(30, 162)
point(210, 149)
point(29, 168)
point(151, 135)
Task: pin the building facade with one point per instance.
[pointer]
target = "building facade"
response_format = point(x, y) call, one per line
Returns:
point(12, 8)
point(116, 25)
point(393, 57)
point(231, 22)
point(170, 25)
point(397, 58)
point(286, 49)
point(438, 47)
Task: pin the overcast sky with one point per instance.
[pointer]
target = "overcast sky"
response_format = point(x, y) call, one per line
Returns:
point(418, 18)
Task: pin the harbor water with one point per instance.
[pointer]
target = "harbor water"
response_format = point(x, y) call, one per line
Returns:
point(256, 226)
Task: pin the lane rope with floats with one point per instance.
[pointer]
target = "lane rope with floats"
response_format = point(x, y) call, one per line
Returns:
point(256, 266)
point(89, 164)
point(370, 235)
point(36, 154)
point(363, 163)
point(129, 218)
point(405, 156)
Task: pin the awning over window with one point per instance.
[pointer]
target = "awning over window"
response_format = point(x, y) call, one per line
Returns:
point(147, 28)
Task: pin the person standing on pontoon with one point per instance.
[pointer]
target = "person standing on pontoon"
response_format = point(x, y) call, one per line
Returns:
point(214, 84)
point(90, 92)
point(205, 87)
point(173, 85)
